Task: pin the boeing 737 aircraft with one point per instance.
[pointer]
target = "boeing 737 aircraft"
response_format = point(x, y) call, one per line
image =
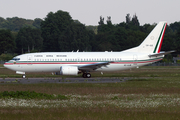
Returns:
point(73, 63)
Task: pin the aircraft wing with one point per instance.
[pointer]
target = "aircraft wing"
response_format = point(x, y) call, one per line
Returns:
point(160, 54)
point(91, 67)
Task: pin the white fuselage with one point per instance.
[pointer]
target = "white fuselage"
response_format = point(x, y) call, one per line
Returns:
point(52, 61)
point(72, 63)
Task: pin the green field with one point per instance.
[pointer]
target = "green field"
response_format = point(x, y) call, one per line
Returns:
point(153, 93)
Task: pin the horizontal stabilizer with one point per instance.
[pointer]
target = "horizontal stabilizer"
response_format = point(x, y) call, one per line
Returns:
point(161, 53)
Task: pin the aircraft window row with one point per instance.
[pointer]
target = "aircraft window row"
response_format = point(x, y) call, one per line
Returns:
point(85, 59)
point(47, 59)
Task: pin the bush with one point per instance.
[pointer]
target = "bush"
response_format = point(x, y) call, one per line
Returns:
point(30, 95)
point(5, 57)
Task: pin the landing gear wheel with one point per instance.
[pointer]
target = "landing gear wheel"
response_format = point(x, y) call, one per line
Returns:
point(23, 76)
point(86, 75)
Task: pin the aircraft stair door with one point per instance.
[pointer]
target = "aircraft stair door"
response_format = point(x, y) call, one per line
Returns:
point(29, 60)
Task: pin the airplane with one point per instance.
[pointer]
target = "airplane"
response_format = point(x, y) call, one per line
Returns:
point(74, 63)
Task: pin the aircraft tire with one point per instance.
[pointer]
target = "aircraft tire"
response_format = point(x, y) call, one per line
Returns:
point(23, 76)
point(84, 75)
point(88, 75)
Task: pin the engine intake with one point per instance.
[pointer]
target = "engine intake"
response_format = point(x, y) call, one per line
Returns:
point(69, 70)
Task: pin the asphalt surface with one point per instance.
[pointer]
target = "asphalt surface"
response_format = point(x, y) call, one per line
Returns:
point(61, 80)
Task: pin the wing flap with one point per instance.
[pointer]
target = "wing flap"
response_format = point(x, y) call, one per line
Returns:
point(94, 66)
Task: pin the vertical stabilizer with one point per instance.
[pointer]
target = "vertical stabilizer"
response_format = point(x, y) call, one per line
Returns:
point(153, 42)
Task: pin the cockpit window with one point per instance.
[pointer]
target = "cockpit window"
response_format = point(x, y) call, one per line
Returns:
point(16, 59)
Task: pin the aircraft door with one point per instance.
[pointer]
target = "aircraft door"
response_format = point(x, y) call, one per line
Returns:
point(135, 58)
point(29, 60)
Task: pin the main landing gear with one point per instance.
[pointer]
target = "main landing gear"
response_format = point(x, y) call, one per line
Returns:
point(86, 75)
point(23, 76)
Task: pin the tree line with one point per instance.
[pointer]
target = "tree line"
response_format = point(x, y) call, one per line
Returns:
point(58, 32)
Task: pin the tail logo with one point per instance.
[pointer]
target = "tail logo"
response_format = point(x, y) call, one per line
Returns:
point(160, 39)
point(152, 37)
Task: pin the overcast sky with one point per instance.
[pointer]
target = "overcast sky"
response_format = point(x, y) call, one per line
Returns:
point(88, 12)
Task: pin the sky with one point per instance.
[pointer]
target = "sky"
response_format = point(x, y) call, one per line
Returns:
point(88, 12)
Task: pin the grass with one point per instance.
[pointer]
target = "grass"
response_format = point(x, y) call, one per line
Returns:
point(29, 95)
point(153, 93)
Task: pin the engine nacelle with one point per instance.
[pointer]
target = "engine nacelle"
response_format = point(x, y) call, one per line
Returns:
point(69, 70)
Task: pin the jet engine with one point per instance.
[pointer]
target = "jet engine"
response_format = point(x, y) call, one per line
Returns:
point(69, 70)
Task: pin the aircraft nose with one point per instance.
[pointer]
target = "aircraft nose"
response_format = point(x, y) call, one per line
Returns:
point(6, 65)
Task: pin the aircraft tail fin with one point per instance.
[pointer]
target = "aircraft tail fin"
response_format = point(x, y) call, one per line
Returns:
point(153, 42)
